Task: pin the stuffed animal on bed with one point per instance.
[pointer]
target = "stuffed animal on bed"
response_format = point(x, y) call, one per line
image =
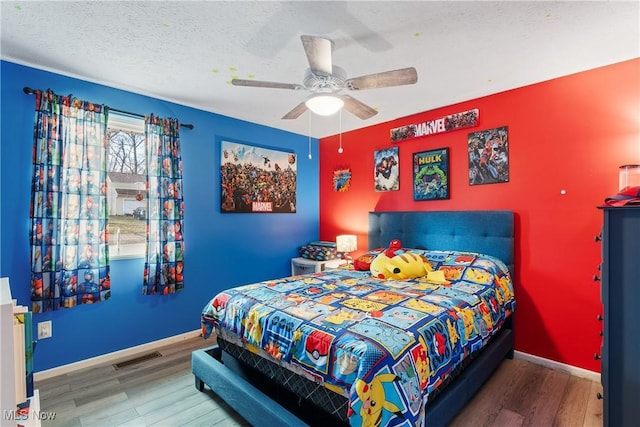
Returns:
point(363, 262)
point(398, 264)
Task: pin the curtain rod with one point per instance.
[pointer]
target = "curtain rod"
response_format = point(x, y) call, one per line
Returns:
point(30, 91)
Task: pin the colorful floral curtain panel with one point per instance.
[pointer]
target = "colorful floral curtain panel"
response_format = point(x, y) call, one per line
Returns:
point(69, 249)
point(164, 263)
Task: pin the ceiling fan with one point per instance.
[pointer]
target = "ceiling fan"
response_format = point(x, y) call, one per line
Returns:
point(325, 80)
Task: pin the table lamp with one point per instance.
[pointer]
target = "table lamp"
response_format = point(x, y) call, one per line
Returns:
point(346, 243)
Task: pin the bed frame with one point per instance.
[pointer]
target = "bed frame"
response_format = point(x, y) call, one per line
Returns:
point(486, 232)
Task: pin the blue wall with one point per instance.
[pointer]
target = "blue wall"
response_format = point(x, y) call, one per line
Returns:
point(222, 250)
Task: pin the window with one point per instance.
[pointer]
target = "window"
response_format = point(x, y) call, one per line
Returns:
point(126, 182)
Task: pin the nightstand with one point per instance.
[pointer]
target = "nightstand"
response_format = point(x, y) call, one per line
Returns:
point(302, 265)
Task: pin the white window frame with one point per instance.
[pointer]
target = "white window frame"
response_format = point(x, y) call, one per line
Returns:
point(133, 250)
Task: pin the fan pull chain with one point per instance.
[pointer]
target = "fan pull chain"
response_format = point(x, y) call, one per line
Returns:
point(309, 135)
point(340, 148)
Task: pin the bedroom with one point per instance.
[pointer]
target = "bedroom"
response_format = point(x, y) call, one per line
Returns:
point(570, 133)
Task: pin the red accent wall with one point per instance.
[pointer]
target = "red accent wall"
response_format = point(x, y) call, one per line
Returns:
point(570, 133)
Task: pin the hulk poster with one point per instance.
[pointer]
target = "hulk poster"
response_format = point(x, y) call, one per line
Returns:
point(431, 175)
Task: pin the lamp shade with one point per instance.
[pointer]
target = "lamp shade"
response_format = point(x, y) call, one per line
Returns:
point(324, 104)
point(346, 243)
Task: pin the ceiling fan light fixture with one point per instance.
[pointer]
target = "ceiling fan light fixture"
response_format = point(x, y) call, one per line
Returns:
point(324, 104)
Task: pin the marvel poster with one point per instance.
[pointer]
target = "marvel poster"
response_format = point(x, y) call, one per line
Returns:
point(386, 174)
point(488, 156)
point(431, 175)
point(257, 179)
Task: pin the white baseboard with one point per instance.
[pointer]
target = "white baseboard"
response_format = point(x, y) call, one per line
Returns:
point(573, 370)
point(116, 355)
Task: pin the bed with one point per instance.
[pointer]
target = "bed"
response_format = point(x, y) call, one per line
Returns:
point(341, 347)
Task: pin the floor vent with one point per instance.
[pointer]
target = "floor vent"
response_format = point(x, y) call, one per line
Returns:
point(136, 360)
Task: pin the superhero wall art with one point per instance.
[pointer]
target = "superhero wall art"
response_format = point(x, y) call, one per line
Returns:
point(386, 174)
point(257, 179)
point(488, 156)
point(431, 175)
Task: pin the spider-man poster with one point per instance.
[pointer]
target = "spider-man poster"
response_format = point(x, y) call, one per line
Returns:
point(257, 179)
point(488, 156)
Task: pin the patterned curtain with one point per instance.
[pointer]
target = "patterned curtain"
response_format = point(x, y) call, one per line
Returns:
point(69, 250)
point(163, 268)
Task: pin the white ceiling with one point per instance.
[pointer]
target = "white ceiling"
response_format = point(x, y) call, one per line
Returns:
point(188, 51)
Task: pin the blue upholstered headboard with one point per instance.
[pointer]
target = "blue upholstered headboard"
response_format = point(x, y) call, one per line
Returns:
point(486, 232)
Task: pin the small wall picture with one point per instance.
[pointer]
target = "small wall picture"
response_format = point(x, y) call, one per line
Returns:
point(488, 156)
point(341, 179)
point(386, 174)
point(431, 175)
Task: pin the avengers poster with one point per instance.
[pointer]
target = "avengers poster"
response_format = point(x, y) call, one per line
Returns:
point(256, 179)
point(386, 174)
point(431, 175)
point(488, 156)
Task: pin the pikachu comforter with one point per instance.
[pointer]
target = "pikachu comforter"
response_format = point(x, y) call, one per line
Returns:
point(385, 345)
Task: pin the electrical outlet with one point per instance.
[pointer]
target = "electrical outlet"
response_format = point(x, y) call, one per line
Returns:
point(44, 329)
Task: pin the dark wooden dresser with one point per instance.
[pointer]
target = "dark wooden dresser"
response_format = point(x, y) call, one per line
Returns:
point(620, 293)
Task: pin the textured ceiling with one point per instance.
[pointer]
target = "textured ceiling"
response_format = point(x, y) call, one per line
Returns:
point(188, 52)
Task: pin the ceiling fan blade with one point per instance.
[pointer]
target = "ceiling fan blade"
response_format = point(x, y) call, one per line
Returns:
point(357, 108)
point(258, 83)
point(296, 112)
point(319, 51)
point(403, 76)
